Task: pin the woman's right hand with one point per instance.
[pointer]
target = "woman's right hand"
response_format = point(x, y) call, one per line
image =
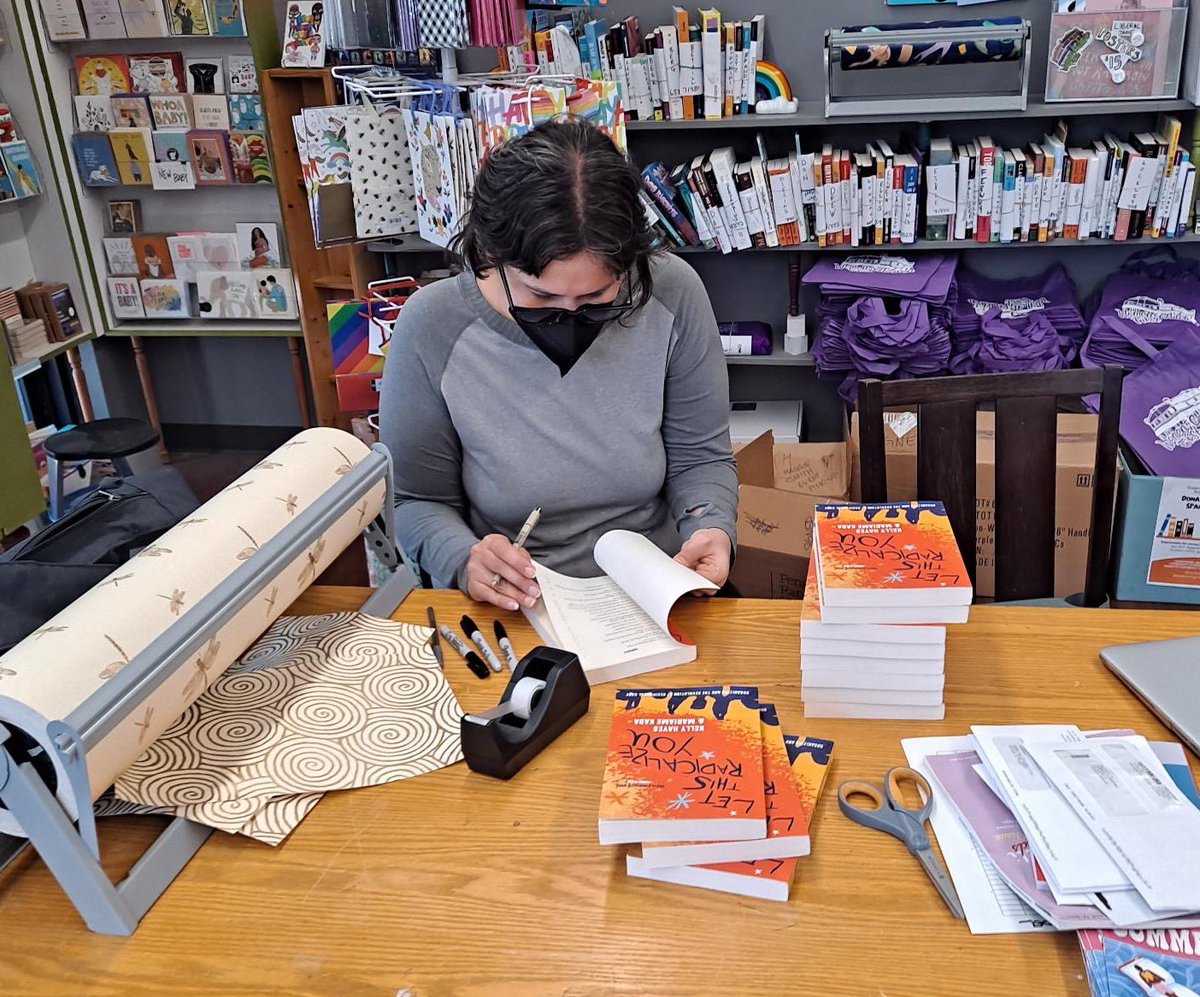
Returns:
point(495, 555)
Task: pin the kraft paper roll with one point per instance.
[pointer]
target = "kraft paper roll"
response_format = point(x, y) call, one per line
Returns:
point(59, 666)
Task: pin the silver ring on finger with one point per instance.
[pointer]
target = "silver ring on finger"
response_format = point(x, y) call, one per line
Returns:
point(497, 581)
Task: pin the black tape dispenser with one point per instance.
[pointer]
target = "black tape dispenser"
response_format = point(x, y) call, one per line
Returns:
point(546, 694)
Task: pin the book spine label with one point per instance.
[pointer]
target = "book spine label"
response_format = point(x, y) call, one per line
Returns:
point(983, 221)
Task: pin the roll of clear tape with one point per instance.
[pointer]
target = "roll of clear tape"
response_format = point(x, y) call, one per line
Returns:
point(524, 697)
point(55, 669)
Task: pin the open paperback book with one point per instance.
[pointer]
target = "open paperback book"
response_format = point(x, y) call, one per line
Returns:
point(619, 622)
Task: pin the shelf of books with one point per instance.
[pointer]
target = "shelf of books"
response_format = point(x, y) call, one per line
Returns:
point(157, 138)
point(811, 114)
point(27, 365)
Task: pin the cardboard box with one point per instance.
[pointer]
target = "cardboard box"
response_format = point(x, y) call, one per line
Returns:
point(780, 484)
point(1073, 490)
point(1156, 549)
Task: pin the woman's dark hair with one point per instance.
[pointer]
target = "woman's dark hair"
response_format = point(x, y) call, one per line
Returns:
point(556, 191)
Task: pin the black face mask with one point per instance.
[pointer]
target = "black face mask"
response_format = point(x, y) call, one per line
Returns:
point(563, 336)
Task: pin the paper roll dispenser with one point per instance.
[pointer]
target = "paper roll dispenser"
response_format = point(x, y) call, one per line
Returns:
point(54, 765)
point(547, 693)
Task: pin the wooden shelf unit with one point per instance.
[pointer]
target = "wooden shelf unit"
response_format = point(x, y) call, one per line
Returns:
point(324, 275)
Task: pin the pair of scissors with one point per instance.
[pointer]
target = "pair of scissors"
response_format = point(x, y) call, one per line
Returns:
point(891, 815)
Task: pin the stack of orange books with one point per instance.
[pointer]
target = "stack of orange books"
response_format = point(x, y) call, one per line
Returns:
point(883, 582)
point(705, 781)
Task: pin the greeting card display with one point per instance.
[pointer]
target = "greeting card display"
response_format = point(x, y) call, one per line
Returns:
point(172, 147)
point(153, 257)
point(225, 295)
point(21, 169)
point(172, 176)
point(185, 255)
point(276, 294)
point(8, 127)
point(218, 251)
point(210, 158)
point(132, 150)
point(104, 19)
point(205, 76)
point(246, 113)
point(160, 72)
point(131, 111)
point(124, 216)
point(125, 296)
point(144, 18)
point(210, 112)
point(94, 114)
point(7, 190)
point(170, 111)
point(188, 17)
point(165, 299)
point(258, 245)
point(243, 77)
point(303, 34)
point(251, 162)
point(121, 256)
point(1110, 52)
point(226, 18)
point(102, 75)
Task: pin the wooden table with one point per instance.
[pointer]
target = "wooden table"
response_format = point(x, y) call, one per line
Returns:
point(456, 884)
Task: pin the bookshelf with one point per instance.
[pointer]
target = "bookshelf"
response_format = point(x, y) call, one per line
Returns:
point(216, 208)
point(811, 114)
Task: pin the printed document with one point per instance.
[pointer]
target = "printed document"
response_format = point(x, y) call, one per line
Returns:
point(1149, 828)
point(1072, 858)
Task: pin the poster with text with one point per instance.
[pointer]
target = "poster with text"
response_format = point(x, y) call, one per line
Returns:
point(1175, 551)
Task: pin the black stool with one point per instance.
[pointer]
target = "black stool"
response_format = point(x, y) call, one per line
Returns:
point(104, 439)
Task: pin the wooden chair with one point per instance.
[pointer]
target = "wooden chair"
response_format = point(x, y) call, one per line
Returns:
point(1026, 424)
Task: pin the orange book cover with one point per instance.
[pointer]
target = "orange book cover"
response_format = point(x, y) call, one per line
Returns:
point(810, 608)
point(809, 760)
point(889, 554)
point(850, 634)
point(683, 765)
point(787, 818)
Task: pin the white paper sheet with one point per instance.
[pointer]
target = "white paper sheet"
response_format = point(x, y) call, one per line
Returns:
point(1146, 825)
point(991, 907)
point(1070, 854)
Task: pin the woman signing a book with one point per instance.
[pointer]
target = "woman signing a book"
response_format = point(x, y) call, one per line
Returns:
point(569, 366)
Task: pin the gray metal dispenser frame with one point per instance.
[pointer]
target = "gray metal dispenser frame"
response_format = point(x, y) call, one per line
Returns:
point(72, 851)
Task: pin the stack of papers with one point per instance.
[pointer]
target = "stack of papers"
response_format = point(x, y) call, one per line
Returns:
point(883, 582)
point(1046, 828)
point(707, 783)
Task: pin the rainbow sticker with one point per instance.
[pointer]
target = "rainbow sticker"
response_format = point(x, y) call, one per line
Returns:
point(771, 82)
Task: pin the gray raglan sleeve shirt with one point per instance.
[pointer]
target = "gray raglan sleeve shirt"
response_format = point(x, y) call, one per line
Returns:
point(482, 428)
point(415, 425)
point(701, 488)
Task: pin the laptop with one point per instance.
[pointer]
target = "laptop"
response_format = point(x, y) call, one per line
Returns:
point(1165, 674)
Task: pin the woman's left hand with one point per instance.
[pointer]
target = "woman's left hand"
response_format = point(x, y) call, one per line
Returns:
point(707, 552)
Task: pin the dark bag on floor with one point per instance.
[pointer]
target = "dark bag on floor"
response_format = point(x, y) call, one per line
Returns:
point(53, 568)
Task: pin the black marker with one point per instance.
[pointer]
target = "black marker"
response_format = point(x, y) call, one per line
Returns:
point(471, 629)
point(505, 644)
point(473, 660)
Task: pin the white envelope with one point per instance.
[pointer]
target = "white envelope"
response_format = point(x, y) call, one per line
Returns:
point(1148, 827)
point(1071, 856)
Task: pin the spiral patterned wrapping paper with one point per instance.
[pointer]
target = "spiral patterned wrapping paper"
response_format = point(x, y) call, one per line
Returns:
point(320, 703)
point(59, 666)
